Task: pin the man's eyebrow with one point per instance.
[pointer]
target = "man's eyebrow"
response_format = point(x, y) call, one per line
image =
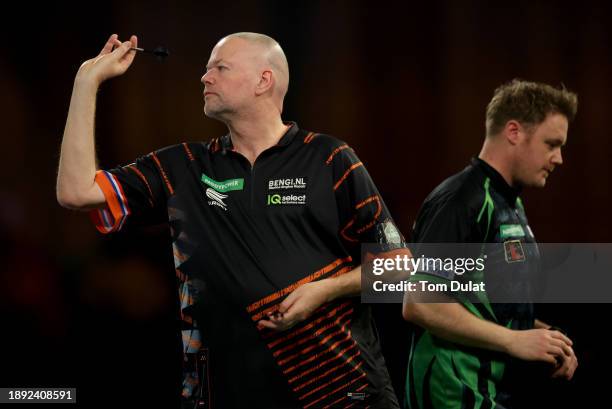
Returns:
point(557, 141)
point(215, 62)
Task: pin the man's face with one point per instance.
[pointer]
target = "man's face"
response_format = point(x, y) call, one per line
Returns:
point(230, 78)
point(539, 151)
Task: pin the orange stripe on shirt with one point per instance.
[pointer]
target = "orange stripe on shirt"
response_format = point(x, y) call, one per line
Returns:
point(188, 151)
point(309, 137)
point(335, 152)
point(144, 179)
point(290, 288)
point(322, 364)
point(326, 373)
point(314, 335)
point(346, 385)
point(322, 342)
point(316, 356)
point(163, 173)
point(349, 170)
point(367, 226)
point(336, 379)
point(378, 211)
point(305, 328)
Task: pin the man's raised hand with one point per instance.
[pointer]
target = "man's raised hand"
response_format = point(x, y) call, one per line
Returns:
point(114, 60)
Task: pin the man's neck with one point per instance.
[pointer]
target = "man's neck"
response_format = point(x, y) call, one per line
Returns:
point(497, 162)
point(251, 137)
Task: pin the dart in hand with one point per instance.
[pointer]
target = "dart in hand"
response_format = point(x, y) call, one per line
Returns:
point(159, 52)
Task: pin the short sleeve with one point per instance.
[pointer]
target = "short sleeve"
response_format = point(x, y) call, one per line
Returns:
point(439, 222)
point(136, 194)
point(364, 217)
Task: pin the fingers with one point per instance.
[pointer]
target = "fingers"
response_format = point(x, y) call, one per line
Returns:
point(560, 371)
point(277, 321)
point(559, 335)
point(124, 54)
point(550, 358)
point(108, 47)
point(123, 48)
point(288, 302)
point(567, 368)
point(567, 350)
point(555, 351)
point(267, 324)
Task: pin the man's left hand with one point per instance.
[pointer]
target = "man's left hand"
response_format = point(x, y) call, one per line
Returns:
point(567, 365)
point(298, 306)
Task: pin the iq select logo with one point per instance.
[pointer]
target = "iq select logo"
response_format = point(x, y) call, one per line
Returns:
point(216, 191)
point(278, 200)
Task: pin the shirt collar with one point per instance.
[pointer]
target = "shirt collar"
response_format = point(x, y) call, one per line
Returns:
point(508, 192)
point(286, 139)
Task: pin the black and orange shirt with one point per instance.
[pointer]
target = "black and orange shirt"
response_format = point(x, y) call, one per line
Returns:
point(244, 237)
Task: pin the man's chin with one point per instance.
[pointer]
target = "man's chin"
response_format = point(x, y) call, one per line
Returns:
point(218, 114)
point(211, 113)
point(537, 183)
point(540, 183)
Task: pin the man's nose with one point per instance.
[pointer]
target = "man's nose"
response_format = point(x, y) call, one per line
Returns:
point(207, 78)
point(557, 158)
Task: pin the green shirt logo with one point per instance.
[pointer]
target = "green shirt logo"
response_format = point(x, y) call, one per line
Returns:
point(274, 199)
point(224, 186)
point(511, 230)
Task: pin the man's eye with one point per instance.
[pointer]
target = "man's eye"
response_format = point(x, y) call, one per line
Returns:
point(221, 67)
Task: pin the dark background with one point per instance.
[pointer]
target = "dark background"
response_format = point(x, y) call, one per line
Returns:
point(406, 84)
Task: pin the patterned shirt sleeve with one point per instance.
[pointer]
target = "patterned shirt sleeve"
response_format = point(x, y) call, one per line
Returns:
point(137, 193)
point(363, 215)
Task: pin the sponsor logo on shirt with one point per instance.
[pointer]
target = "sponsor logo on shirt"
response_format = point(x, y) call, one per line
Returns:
point(287, 183)
point(514, 251)
point(217, 189)
point(511, 230)
point(276, 199)
point(216, 198)
point(356, 395)
point(225, 185)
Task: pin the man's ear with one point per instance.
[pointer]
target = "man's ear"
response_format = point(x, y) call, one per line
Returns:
point(514, 132)
point(266, 81)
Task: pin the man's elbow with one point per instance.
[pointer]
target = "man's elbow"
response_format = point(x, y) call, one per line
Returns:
point(68, 201)
point(74, 201)
point(413, 312)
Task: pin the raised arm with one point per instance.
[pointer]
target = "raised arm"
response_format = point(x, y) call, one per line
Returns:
point(76, 188)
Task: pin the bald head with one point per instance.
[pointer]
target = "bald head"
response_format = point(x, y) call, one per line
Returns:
point(267, 54)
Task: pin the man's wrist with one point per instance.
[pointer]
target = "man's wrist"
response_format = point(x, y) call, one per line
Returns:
point(507, 340)
point(330, 288)
point(86, 82)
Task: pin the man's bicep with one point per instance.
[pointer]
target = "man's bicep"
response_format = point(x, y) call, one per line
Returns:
point(92, 199)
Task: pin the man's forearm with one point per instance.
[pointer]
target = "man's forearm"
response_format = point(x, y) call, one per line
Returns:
point(77, 165)
point(453, 322)
point(345, 285)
